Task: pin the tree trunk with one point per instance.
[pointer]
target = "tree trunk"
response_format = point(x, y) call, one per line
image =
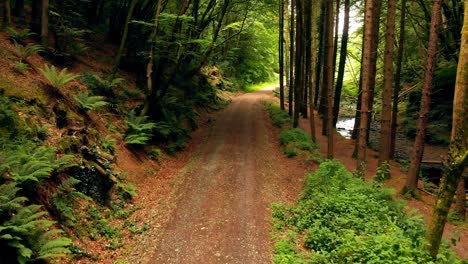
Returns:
point(312, 72)
point(298, 77)
point(6, 14)
point(35, 24)
point(458, 153)
point(149, 68)
point(418, 148)
point(366, 89)
point(335, 43)
point(292, 59)
point(18, 11)
point(342, 64)
point(397, 88)
point(330, 64)
point(281, 52)
point(45, 23)
point(319, 67)
point(461, 198)
point(123, 41)
point(385, 131)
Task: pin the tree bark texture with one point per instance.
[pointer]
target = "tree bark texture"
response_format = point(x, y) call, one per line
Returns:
point(342, 63)
point(418, 148)
point(385, 131)
point(397, 88)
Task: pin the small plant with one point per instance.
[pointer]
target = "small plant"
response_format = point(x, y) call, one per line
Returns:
point(278, 116)
point(57, 79)
point(65, 198)
point(139, 130)
point(21, 67)
point(383, 173)
point(108, 144)
point(89, 102)
point(24, 52)
point(19, 35)
point(154, 153)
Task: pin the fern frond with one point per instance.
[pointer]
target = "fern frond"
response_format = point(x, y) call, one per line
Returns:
point(24, 52)
point(57, 78)
point(89, 102)
point(139, 129)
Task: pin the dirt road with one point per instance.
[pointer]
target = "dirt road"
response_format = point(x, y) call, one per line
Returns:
point(223, 211)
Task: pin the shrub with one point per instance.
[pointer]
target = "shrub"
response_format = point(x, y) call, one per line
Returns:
point(139, 130)
point(89, 102)
point(295, 140)
point(57, 79)
point(278, 116)
point(100, 85)
point(342, 219)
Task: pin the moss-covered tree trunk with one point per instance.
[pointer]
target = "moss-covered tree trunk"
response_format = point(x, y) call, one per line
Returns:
point(281, 52)
point(458, 154)
point(418, 148)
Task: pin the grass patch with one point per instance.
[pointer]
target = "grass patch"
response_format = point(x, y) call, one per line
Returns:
point(260, 86)
point(342, 219)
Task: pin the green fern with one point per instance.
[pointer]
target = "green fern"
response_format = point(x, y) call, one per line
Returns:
point(28, 167)
point(24, 52)
point(19, 35)
point(89, 102)
point(139, 129)
point(64, 200)
point(56, 78)
point(24, 228)
point(21, 67)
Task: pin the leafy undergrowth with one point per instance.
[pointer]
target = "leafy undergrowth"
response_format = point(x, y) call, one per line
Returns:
point(294, 141)
point(342, 219)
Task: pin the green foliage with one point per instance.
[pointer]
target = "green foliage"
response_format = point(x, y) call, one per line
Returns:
point(383, 173)
point(342, 219)
point(64, 200)
point(24, 52)
point(278, 116)
point(19, 35)
point(90, 102)
point(24, 229)
point(139, 130)
point(28, 166)
point(295, 140)
point(7, 118)
point(57, 79)
point(100, 85)
point(108, 144)
point(21, 67)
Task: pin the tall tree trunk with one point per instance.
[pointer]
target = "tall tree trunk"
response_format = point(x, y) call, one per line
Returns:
point(298, 77)
point(313, 11)
point(18, 11)
point(45, 23)
point(330, 64)
point(320, 58)
point(323, 107)
point(366, 89)
point(35, 24)
point(292, 60)
point(377, 4)
point(458, 153)
point(149, 67)
point(418, 148)
point(385, 131)
point(281, 52)
point(123, 41)
point(6, 14)
point(397, 88)
point(342, 64)
point(335, 43)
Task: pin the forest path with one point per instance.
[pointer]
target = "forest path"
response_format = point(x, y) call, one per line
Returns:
point(223, 211)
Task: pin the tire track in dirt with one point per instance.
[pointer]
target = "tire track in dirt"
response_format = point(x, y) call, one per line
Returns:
point(223, 211)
